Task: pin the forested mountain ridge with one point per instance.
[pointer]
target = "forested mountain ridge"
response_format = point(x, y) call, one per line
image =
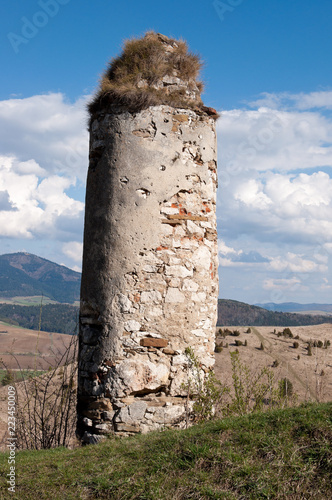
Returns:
point(234, 313)
point(23, 274)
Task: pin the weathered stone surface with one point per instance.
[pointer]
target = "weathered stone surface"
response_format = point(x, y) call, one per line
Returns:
point(150, 281)
point(137, 410)
point(128, 427)
point(174, 296)
point(151, 342)
point(139, 375)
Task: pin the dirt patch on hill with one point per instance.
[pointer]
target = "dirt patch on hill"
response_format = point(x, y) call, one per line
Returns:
point(311, 376)
point(32, 349)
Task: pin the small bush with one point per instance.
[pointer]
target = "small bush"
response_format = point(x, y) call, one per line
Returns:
point(235, 333)
point(320, 344)
point(8, 378)
point(275, 363)
point(296, 345)
point(248, 330)
point(218, 348)
point(287, 333)
point(309, 350)
point(238, 343)
point(261, 348)
point(285, 388)
point(246, 343)
point(298, 356)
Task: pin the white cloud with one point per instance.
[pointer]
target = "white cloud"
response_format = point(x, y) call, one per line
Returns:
point(36, 203)
point(269, 139)
point(302, 101)
point(73, 250)
point(48, 131)
point(289, 206)
point(325, 285)
point(224, 249)
point(284, 284)
point(296, 264)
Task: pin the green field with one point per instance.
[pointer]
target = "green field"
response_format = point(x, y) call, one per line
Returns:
point(35, 300)
point(281, 454)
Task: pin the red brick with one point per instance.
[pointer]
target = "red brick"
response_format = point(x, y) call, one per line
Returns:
point(152, 342)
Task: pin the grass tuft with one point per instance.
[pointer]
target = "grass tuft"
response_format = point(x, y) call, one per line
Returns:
point(152, 70)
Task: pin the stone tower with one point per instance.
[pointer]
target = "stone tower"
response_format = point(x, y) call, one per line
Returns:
point(149, 279)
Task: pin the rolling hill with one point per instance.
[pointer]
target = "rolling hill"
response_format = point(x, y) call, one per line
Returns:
point(24, 275)
point(234, 313)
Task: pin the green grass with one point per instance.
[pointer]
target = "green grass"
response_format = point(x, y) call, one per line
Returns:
point(21, 374)
point(34, 300)
point(282, 454)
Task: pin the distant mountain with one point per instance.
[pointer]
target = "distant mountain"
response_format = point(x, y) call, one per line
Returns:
point(24, 274)
point(234, 313)
point(295, 307)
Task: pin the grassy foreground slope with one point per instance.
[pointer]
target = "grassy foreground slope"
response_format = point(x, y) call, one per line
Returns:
point(279, 454)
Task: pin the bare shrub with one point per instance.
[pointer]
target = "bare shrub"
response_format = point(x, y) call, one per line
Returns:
point(46, 405)
point(250, 391)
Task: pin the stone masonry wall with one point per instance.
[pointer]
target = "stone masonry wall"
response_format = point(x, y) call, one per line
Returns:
point(149, 280)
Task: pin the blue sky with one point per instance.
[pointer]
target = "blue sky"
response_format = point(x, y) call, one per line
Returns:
point(267, 70)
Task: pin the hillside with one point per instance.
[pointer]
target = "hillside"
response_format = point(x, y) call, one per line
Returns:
point(281, 454)
point(295, 307)
point(59, 318)
point(23, 275)
point(232, 313)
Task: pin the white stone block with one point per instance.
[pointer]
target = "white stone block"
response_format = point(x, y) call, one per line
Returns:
point(198, 297)
point(190, 285)
point(132, 325)
point(178, 271)
point(124, 303)
point(201, 258)
point(151, 296)
point(174, 295)
point(181, 360)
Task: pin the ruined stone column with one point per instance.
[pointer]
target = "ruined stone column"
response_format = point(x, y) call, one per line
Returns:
point(149, 279)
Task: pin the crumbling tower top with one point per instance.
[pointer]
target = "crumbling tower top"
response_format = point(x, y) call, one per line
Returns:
point(152, 70)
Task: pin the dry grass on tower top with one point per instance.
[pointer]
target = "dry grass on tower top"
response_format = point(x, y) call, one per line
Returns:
point(152, 70)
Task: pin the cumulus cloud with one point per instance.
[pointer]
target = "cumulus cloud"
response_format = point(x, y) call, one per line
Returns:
point(229, 257)
point(296, 264)
point(275, 197)
point(302, 101)
point(74, 250)
point(289, 206)
point(284, 284)
point(272, 139)
point(48, 131)
point(34, 203)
